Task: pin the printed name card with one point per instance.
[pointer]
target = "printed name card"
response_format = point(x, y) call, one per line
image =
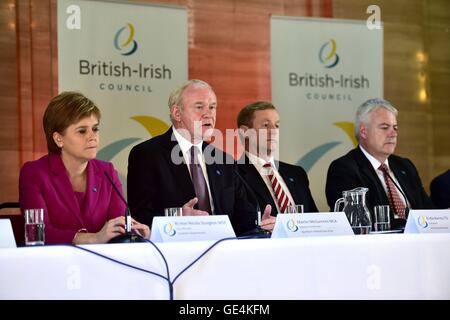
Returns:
point(428, 221)
point(7, 239)
point(191, 228)
point(311, 224)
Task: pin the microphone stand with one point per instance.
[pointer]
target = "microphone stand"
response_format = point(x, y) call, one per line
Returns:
point(128, 236)
point(256, 232)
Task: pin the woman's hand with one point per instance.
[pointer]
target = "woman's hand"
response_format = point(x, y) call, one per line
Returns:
point(140, 228)
point(111, 229)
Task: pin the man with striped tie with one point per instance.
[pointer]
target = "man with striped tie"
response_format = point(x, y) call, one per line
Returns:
point(274, 182)
point(391, 180)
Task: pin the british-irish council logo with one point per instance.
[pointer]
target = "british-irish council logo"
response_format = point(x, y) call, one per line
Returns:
point(292, 225)
point(327, 54)
point(422, 221)
point(124, 40)
point(169, 229)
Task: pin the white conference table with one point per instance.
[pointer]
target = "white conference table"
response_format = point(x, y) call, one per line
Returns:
point(389, 266)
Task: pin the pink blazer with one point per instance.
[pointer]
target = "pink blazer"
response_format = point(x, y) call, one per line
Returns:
point(44, 183)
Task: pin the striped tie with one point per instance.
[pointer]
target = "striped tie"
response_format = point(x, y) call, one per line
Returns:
point(394, 198)
point(280, 194)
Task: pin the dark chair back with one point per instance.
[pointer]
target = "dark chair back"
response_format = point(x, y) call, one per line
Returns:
point(17, 221)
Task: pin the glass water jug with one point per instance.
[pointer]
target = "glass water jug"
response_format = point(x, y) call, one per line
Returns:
point(355, 209)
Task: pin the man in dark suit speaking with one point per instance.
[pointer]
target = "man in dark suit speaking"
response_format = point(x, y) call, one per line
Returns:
point(391, 180)
point(180, 169)
point(273, 181)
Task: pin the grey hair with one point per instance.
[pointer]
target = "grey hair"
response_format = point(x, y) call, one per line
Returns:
point(362, 114)
point(176, 96)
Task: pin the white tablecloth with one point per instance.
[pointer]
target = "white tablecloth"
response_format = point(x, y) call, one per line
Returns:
point(391, 266)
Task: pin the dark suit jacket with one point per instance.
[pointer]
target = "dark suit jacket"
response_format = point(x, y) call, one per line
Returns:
point(155, 182)
point(355, 170)
point(44, 183)
point(440, 190)
point(294, 177)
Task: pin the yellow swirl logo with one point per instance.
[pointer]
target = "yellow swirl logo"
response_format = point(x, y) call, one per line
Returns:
point(422, 221)
point(169, 229)
point(124, 40)
point(292, 225)
point(327, 54)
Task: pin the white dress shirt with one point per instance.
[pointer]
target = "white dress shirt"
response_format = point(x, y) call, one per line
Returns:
point(264, 173)
point(376, 164)
point(185, 147)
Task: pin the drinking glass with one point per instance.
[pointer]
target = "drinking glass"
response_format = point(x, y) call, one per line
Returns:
point(173, 212)
point(382, 219)
point(34, 227)
point(296, 208)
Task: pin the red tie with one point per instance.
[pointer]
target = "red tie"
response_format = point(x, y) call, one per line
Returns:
point(280, 194)
point(394, 198)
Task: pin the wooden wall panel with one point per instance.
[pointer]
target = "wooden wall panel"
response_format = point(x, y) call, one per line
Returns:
point(436, 39)
point(229, 46)
point(9, 133)
point(416, 75)
point(42, 74)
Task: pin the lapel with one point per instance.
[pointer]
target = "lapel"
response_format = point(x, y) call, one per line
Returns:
point(401, 176)
point(93, 187)
point(180, 171)
point(292, 184)
point(215, 178)
point(63, 187)
point(376, 189)
point(254, 179)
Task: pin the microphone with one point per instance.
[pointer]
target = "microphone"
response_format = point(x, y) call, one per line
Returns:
point(257, 232)
point(128, 237)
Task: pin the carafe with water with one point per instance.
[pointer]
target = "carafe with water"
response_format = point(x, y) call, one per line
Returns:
point(355, 209)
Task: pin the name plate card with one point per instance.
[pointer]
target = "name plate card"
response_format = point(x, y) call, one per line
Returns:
point(7, 239)
point(191, 228)
point(311, 225)
point(428, 221)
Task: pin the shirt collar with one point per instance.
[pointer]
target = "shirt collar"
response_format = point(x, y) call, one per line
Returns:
point(374, 162)
point(259, 162)
point(186, 145)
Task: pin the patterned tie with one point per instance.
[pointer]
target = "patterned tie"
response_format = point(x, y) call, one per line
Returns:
point(394, 198)
point(280, 194)
point(199, 182)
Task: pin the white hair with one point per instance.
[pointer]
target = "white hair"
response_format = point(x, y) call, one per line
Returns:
point(362, 114)
point(176, 96)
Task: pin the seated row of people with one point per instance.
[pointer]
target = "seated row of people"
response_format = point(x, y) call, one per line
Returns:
point(181, 169)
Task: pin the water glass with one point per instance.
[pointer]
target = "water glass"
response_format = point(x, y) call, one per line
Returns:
point(382, 219)
point(173, 212)
point(296, 208)
point(34, 227)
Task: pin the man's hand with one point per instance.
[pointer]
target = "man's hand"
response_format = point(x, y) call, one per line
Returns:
point(267, 221)
point(188, 209)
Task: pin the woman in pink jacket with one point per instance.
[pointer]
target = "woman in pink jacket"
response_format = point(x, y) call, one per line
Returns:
point(80, 204)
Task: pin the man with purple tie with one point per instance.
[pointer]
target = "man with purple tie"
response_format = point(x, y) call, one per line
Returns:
point(180, 169)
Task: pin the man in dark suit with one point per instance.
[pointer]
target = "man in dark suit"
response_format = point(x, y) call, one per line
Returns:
point(179, 169)
point(440, 190)
point(277, 183)
point(391, 180)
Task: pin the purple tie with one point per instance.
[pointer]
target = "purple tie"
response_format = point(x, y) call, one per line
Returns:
point(199, 182)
